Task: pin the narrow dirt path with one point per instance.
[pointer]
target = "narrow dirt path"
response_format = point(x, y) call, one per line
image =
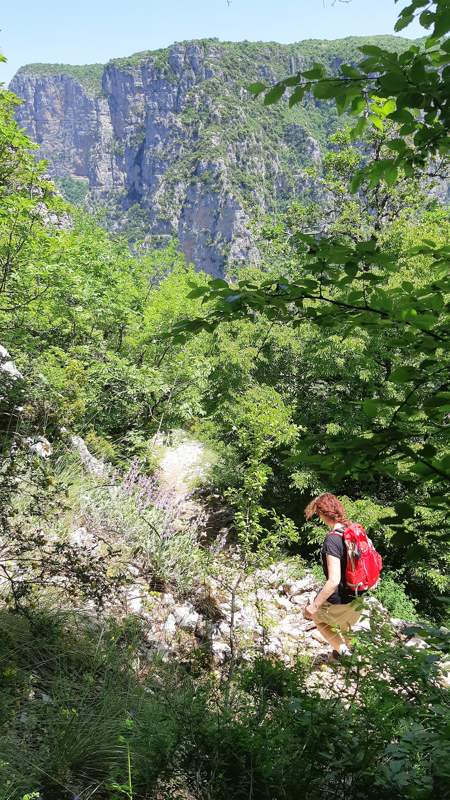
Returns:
point(180, 469)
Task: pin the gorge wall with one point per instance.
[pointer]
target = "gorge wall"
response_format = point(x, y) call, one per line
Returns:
point(171, 144)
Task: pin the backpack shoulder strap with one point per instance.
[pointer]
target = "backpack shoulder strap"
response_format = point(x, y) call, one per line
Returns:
point(338, 529)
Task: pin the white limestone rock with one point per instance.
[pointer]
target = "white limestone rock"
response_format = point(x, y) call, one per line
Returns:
point(41, 447)
point(363, 623)
point(282, 602)
point(80, 537)
point(92, 464)
point(299, 600)
point(168, 599)
point(135, 603)
point(224, 630)
point(417, 642)
point(264, 595)
point(291, 625)
point(221, 650)
point(294, 588)
point(170, 626)
point(186, 616)
point(10, 369)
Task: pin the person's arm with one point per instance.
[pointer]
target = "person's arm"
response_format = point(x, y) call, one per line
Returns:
point(332, 582)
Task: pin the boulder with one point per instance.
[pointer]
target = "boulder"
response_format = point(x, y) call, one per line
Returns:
point(92, 464)
point(221, 650)
point(264, 595)
point(11, 370)
point(363, 623)
point(134, 603)
point(417, 642)
point(186, 616)
point(294, 588)
point(282, 602)
point(41, 447)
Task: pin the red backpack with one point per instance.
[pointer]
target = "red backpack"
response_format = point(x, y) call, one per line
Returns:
point(363, 562)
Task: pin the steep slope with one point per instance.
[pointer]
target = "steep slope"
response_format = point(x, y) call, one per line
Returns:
point(172, 145)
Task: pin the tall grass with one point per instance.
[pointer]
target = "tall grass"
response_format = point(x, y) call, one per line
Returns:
point(83, 715)
point(134, 514)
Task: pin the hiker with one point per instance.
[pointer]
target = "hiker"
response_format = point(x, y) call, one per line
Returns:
point(338, 606)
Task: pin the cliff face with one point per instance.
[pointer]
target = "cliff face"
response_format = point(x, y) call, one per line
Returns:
point(171, 144)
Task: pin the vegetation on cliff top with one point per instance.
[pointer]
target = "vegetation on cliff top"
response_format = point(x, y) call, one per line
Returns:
point(89, 76)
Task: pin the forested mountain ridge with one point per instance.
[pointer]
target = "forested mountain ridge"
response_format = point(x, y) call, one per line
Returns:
point(169, 142)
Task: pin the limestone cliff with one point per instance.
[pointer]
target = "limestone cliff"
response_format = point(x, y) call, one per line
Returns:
point(171, 143)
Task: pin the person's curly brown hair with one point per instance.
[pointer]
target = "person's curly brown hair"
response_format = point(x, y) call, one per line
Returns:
point(326, 504)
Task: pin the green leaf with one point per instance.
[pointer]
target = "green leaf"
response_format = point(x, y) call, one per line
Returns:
point(442, 21)
point(372, 408)
point(293, 80)
point(233, 298)
point(403, 22)
point(398, 145)
point(359, 128)
point(426, 19)
point(422, 469)
point(403, 375)
point(439, 400)
point(350, 72)
point(317, 71)
point(358, 105)
point(199, 291)
point(402, 115)
point(357, 180)
point(257, 88)
point(274, 94)
point(443, 464)
point(325, 89)
point(390, 175)
point(372, 50)
point(298, 95)
point(389, 107)
point(218, 283)
point(351, 270)
point(376, 122)
point(393, 82)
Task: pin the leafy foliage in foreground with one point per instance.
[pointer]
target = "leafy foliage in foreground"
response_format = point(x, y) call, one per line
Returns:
point(70, 694)
point(411, 88)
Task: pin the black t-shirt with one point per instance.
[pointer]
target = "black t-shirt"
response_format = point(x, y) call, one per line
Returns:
point(334, 545)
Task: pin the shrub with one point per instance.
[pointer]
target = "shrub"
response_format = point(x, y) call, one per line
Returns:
point(391, 593)
point(91, 715)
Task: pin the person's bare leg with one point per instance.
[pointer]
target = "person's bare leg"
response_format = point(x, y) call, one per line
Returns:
point(332, 636)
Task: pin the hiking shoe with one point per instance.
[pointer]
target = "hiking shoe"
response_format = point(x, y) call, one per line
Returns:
point(335, 655)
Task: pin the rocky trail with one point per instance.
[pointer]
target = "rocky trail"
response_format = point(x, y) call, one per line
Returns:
point(181, 468)
point(232, 616)
point(228, 616)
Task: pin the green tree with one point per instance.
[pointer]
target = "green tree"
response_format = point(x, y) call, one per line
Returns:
point(351, 286)
point(411, 88)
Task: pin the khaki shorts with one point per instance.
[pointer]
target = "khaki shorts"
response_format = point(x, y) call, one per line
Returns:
point(340, 615)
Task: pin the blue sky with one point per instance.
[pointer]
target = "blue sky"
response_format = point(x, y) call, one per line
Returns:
point(88, 31)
